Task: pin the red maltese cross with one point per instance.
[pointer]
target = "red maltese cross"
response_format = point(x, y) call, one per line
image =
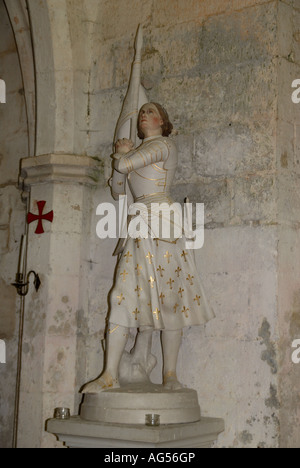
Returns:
point(40, 217)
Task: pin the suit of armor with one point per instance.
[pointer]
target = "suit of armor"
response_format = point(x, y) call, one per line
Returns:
point(150, 168)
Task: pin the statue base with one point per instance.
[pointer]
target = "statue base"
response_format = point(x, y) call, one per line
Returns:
point(130, 404)
point(77, 433)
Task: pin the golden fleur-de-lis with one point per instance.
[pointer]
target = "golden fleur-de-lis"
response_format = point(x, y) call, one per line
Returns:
point(135, 313)
point(197, 298)
point(184, 254)
point(121, 298)
point(139, 269)
point(156, 312)
point(190, 279)
point(137, 290)
point(162, 296)
point(127, 256)
point(137, 241)
point(168, 256)
point(185, 311)
point(152, 281)
point(170, 283)
point(175, 308)
point(149, 256)
point(180, 292)
point(160, 269)
point(178, 271)
point(124, 274)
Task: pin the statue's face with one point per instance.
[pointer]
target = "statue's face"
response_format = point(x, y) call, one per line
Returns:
point(150, 120)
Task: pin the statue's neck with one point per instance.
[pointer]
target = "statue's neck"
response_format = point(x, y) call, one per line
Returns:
point(149, 138)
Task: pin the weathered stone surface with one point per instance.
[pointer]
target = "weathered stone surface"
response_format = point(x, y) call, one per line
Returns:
point(247, 151)
point(224, 71)
point(255, 198)
point(102, 124)
point(229, 250)
point(215, 194)
point(14, 145)
point(186, 156)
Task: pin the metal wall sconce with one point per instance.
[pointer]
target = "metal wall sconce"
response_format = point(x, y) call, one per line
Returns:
point(23, 288)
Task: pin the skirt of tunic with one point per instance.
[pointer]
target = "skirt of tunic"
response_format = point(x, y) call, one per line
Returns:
point(157, 285)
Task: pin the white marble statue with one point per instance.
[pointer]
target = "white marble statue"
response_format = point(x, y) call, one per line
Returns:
point(157, 286)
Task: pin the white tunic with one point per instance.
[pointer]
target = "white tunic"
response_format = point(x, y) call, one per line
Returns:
point(156, 281)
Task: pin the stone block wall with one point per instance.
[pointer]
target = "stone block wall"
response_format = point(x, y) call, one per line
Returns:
point(287, 156)
point(223, 70)
point(13, 146)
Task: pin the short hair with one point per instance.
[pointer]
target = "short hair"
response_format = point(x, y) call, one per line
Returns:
point(166, 127)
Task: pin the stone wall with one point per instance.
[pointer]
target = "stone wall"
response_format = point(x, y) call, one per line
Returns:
point(223, 69)
point(13, 147)
point(287, 154)
point(224, 72)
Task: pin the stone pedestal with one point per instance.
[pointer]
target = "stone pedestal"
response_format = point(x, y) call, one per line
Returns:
point(76, 433)
point(130, 404)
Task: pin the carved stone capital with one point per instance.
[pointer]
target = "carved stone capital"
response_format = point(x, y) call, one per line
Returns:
point(65, 168)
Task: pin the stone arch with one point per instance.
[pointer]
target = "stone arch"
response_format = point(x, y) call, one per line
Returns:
point(20, 24)
point(44, 45)
point(54, 76)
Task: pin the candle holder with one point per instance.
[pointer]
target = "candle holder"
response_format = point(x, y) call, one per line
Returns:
point(23, 288)
point(152, 419)
point(62, 413)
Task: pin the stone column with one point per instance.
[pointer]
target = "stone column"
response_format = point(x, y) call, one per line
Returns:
point(49, 368)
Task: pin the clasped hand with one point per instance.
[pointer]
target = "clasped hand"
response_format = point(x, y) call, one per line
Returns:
point(124, 146)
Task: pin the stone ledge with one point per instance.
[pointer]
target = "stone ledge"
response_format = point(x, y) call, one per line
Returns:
point(68, 168)
point(76, 433)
